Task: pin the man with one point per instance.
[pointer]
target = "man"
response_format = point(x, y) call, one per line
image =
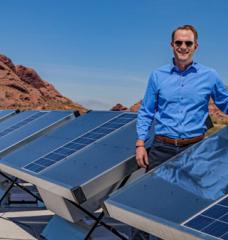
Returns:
point(176, 99)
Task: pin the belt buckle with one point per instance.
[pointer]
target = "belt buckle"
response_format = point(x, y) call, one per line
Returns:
point(177, 143)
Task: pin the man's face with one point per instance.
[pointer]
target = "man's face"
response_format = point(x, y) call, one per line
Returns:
point(184, 46)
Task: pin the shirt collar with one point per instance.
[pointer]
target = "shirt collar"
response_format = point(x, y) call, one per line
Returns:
point(194, 67)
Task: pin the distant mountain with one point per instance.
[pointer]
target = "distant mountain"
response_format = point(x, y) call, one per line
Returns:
point(22, 88)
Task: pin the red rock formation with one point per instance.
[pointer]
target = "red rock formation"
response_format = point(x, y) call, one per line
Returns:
point(22, 88)
point(29, 76)
point(119, 107)
point(135, 107)
point(7, 62)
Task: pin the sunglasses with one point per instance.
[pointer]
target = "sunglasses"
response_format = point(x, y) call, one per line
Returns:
point(179, 43)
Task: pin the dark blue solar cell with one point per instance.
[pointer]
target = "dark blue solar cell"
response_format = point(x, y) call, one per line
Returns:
point(12, 127)
point(130, 116)
point(123, 120)
point(64, 151)
point(74, 146)
point(83, 140)
point(54, 157)
point(224, 202)
point(27, 121)
point(44, 162)
point(216, 229)
point(99, 134)
point(215, 212)
point(104, 130)
point(93, 135)
point(224, 218)
point(199, 222)
point(34, 117)
point(126, 120)
point(113, 125)
point(20, 124)
point(34, 167)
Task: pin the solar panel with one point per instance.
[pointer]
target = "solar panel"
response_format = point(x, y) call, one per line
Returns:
point(80, 143)
point(213, 220)
point(22, 123)
point(85, 176)
point(163, 201)
point(25, 126)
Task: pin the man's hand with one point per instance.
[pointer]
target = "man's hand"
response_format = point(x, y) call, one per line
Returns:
point(142, 157)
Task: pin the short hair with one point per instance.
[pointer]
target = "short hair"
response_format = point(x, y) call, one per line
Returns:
point(186, 27)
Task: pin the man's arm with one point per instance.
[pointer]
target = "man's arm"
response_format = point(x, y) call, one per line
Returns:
point(220, 95)
point(144, 121)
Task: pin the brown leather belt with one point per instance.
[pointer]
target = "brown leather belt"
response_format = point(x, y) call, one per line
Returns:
point(179, 142)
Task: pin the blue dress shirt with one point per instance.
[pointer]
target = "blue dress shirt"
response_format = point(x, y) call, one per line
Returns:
point(178, 101)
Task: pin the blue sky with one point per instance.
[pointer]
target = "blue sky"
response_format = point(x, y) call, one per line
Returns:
point(101, 52)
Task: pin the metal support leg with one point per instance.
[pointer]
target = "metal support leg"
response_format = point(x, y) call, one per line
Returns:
point(102, 213)
point(13, 182)
point(8, 190)
point(108, 227)
point(97, 219)
point(94, 226)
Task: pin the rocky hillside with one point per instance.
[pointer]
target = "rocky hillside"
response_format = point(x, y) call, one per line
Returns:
point(22, 88)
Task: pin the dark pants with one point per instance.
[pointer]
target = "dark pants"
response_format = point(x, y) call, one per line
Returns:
point(159, 153)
